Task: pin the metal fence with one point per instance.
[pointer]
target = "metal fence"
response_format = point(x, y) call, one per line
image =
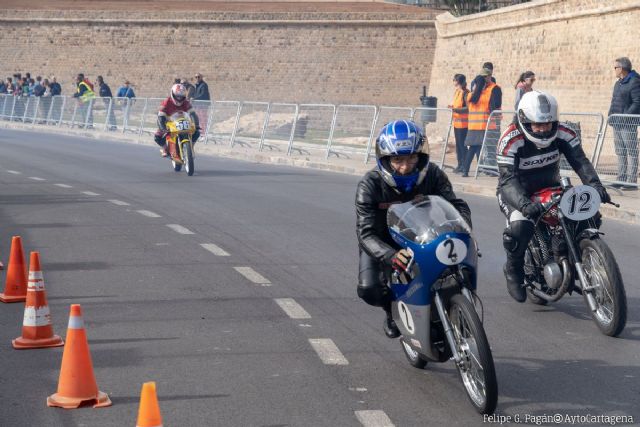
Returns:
point(617, 156)
point(328, 130)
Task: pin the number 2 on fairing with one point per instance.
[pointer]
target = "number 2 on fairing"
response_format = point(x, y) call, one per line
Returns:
point(451, 251)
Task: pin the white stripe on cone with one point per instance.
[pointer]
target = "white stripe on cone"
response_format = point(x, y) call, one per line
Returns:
point(36, 316)
point(76, 322)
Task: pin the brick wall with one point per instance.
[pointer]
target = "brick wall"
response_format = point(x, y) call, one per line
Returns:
point(571, 45)
point(339, 57)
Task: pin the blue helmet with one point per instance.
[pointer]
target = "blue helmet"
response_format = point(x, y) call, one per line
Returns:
point(401, 138)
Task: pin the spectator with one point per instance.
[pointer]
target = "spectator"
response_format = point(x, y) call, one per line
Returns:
point(9, 86)
point(126, 91)
point(626, 100)
point(104, 91)
point(201, 92)
point(487, 66)
point(485, 98)
point(45, 101)
point(460, 118)
point(3, 87)
point(190, 88)
point(176, 81)
point(524, 85)
point(26, 89)
point(38, 89)
point(85, 96)
point(56, 89)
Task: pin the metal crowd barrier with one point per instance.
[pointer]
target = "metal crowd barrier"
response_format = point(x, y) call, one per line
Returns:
point(436, 124)
point(616, 159)
point(279, 126)
point(351, 130)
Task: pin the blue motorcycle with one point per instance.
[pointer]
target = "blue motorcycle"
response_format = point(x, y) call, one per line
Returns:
point(441, 273)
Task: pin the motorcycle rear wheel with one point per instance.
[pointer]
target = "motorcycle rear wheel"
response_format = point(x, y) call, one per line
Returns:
point(414, 358)
point(476, 368)
point(602, 271)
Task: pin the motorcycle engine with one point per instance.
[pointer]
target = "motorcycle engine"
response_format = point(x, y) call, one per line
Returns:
point(553, 275)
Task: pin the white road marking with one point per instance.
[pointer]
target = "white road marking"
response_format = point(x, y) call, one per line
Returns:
point(373, 419)
point(292, 308)
point(179, 229)
point(118, 202)
point(148, 213)
point(63, 185)
point(90, 193)
point(253, 275)
point(214, 249)
point(36, 178)
point(328, 351)
point(14, 172)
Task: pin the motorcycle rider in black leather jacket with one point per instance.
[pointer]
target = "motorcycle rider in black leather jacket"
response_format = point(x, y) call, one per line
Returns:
point(528, 157)
point(403, 173)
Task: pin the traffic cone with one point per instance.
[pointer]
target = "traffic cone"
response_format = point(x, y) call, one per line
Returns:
point(149, 411)
point(15, 288)
point(37, 331)
point(77, 383)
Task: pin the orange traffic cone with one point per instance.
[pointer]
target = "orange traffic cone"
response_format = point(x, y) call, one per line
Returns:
point(149, 411)
point(15, 288)
point(37, 331)
point(77, 383)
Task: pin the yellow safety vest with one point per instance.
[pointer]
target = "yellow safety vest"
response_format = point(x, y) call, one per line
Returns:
point(459, 119)
point(88, 94)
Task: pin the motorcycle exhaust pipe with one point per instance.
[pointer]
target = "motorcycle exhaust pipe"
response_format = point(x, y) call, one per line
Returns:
point(564, 287)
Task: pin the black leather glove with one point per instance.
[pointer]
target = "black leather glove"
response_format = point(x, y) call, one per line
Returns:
point(604, 196)
point(400, 260)
point(533, 210)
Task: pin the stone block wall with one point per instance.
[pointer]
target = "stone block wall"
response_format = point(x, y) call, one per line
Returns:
point(571, 45)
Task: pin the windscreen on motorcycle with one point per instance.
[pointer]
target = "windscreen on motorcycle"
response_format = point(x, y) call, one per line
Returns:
point(422, 221)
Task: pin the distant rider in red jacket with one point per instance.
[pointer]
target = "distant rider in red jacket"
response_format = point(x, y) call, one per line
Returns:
point(176, 102)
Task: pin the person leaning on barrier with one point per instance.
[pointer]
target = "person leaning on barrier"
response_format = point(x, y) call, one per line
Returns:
point(403, 173)
point(56, 89)
point(176, 102)
point(485, 97)
point(626, 100)
point(528, 158)
point(201, 92)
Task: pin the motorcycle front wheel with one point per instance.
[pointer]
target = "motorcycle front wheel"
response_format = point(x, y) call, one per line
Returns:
point(187, 154)
point(476, 367)
point(603, 273)
point(414, 358)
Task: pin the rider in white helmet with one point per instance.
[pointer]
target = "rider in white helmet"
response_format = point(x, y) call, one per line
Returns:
point(528, 156)
point(175, 102)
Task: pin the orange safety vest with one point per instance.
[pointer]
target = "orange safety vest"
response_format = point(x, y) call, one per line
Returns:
point(459, 119)
point(479, 113)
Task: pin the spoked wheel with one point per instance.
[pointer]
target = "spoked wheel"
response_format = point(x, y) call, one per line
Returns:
point(476, 366)
point(414, 358)
point(603, 273)
point(188, 158)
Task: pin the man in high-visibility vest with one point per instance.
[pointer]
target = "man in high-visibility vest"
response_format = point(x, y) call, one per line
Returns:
point(85, 94)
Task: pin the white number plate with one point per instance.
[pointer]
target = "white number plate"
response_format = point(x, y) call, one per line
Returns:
point(451, 251)
point(580, 202)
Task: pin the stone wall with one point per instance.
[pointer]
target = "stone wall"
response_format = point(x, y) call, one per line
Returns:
point(571, 45)
point(377, 57)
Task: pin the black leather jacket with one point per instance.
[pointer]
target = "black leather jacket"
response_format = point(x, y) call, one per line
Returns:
point(373, 198)
point(525, 169)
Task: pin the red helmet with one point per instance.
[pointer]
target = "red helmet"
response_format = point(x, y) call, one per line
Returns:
point(178, 94)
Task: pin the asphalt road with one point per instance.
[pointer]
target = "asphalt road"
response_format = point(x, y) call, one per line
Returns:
point(160, 307)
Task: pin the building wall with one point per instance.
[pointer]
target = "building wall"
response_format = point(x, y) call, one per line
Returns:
point(334, 57)
point(571, 45)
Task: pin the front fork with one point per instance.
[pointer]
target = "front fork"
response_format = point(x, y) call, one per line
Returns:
point(587, 289)
point(448, 330)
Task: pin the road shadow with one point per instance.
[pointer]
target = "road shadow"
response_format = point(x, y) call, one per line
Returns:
point(136, 399)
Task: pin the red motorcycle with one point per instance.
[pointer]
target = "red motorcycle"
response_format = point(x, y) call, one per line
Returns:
point(567, 254)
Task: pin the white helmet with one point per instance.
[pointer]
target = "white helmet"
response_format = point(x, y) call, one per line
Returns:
point(538, 107)
point(178, 94)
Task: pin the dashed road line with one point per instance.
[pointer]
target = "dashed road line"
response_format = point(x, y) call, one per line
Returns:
point(37, 178)
point(14, 172)
point(179, 229)
point(90, 193)
point(328, 351)
point(63, 185)
point(373, 419)
point(148, 214)
point(214, 249)
point(253, 275)
point(118, 202)
point(292, 308)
